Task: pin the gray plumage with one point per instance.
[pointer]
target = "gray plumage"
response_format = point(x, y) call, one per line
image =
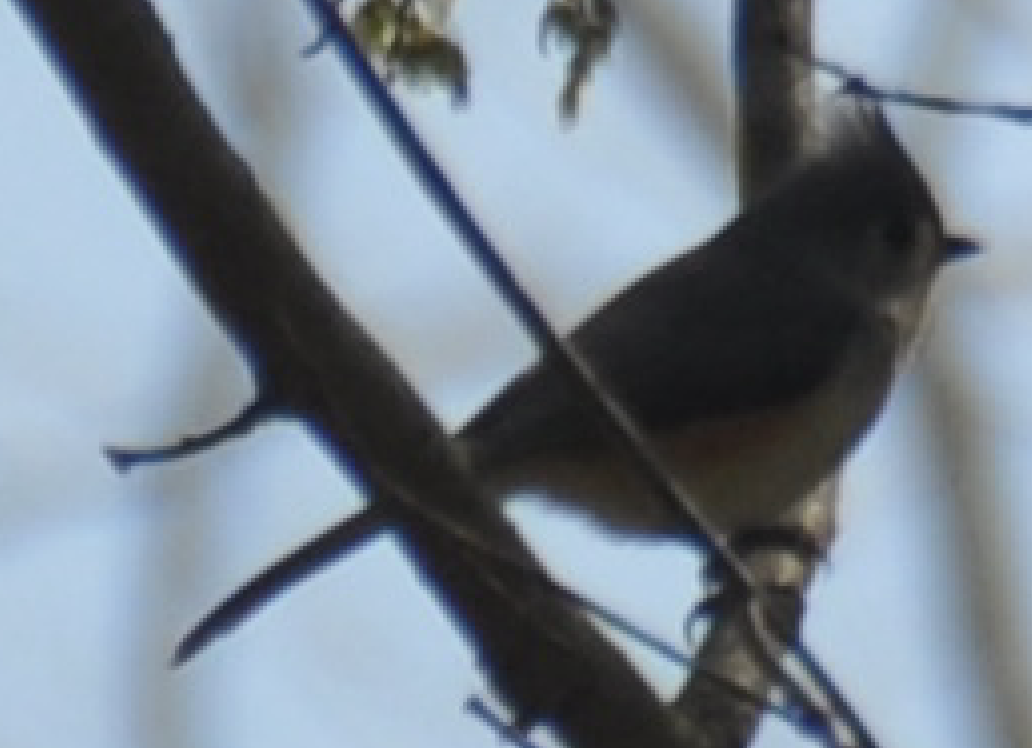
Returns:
point(755, 362)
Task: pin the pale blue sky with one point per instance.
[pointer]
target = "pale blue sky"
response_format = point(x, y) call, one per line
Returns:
point(102, 341)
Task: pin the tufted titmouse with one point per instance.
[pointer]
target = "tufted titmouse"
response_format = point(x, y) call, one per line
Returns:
point(755, 363)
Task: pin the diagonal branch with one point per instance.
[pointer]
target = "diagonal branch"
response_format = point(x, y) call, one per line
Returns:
point(789, 79)
point(311, 358)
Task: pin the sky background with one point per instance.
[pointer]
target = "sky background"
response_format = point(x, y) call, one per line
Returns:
point(922, 609)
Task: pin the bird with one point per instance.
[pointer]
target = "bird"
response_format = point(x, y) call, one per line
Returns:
point(754, 363)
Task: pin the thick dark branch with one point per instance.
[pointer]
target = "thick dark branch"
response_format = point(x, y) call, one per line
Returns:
point(311, 358)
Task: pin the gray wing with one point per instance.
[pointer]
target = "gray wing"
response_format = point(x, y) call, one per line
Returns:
point(709, 333)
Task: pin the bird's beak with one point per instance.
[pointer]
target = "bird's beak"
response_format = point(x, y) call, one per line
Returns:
point(959, 247)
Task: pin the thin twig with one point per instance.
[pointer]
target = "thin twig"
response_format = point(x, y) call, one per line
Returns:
point(855, 84)
point(613, 417)
point(253, 414)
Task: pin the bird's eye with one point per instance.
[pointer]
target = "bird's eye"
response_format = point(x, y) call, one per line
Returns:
point(898, 233)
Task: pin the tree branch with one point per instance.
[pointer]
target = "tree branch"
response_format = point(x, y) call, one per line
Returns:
point(311, 358)
point(776, 102)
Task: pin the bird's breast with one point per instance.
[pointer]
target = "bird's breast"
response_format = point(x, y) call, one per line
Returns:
point(741, 470)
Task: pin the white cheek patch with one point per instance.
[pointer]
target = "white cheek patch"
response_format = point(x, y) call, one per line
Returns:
point(907, 314)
